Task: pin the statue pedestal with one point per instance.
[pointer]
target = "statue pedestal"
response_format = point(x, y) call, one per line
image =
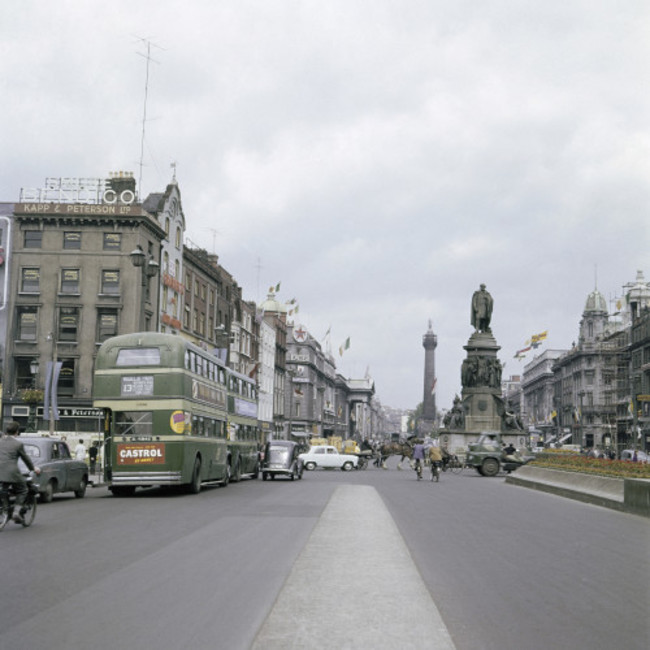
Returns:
point(481, 384)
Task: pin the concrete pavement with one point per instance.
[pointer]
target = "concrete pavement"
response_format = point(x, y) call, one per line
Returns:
point(378, 601)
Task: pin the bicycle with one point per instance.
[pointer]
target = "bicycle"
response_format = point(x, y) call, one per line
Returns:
point(455, 465)
point(7, 504)
point(435, 470)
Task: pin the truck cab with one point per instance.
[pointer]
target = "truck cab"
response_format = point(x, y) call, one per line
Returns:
point(486, 455)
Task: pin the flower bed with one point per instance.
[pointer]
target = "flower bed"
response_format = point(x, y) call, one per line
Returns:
point(598, 466)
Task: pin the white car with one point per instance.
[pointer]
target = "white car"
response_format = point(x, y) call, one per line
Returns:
point(328, 457)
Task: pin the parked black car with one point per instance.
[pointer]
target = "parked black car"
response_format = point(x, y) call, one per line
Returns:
point(59, 471)
point(281, 458)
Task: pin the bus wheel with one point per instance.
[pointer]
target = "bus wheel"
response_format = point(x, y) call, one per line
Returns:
point(195, 485)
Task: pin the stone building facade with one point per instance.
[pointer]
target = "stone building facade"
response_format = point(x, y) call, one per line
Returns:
point(73, 284)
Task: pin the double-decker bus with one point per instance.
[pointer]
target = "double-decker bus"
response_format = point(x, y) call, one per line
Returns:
point(165, 412)
point(244, 442)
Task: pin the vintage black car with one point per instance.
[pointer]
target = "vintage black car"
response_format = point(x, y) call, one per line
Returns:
point(59, 471)
point(281, 458)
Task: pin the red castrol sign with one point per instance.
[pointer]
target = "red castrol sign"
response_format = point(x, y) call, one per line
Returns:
point(141, 454)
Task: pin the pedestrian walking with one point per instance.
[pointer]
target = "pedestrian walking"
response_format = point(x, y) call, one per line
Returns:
point(80, 451)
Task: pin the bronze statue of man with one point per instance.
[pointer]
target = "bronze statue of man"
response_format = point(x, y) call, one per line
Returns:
point(482, 304)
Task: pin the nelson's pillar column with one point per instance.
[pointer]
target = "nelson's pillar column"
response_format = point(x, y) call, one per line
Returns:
point(429, 341)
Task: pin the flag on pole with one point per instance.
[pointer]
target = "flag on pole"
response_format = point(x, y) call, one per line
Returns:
point(520, 354)
point(433, 387)
point(536, 339)
point(344, 346)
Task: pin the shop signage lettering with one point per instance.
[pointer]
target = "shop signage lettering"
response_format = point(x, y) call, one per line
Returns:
point(76, 208)
point(75, 412)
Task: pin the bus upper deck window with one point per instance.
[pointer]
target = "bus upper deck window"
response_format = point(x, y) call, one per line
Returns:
point(138, 357)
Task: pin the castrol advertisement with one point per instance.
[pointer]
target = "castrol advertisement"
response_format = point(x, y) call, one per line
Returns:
point(141, 453)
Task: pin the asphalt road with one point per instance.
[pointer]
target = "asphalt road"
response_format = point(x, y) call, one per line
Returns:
point(507, 567)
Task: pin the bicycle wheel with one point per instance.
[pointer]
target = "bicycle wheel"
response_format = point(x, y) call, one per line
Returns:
point(30, 510)
point(456, 466)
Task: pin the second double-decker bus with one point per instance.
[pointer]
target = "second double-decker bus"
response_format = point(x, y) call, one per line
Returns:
point(244, 441)
point(165, 412)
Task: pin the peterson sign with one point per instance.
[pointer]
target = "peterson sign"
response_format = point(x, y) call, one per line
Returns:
point(77, 208)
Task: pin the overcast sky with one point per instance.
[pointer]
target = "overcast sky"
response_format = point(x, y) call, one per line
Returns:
point(380, 159)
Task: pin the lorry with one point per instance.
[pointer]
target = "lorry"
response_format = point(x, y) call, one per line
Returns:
point(486, 455)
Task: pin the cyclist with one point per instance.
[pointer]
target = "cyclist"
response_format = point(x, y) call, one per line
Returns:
point(435, 456)
point(11, 450)
point(418, 457)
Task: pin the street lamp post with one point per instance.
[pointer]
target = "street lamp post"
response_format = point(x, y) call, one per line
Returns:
point(31, 420)
point(149, 268)
point(222, 341)
point(581, 394)
point(291, 374)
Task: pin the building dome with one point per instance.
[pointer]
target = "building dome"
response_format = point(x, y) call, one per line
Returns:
point(271, 305)
point(596, 302)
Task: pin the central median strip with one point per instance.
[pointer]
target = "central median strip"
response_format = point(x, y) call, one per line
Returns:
point(354, 585)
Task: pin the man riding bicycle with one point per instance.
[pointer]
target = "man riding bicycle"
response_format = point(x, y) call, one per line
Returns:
point(11, 450)
point(435, 456)
point(418, 457)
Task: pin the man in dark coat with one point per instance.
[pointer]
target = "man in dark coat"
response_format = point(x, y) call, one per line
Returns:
point(11, 449)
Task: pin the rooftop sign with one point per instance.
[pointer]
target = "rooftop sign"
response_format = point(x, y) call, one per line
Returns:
point(77, 190)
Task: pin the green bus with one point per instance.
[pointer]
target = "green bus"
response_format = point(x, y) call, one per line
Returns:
point(244, 441)
point(165, 413)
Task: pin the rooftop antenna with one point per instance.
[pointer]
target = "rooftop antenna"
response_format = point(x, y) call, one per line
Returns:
point(148, 58)
point(258, 266)
point(214, 232)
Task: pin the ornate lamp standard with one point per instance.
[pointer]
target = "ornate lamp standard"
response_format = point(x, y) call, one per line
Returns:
point(149, 269)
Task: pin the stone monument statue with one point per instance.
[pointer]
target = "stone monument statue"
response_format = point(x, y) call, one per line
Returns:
point(482, 304)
